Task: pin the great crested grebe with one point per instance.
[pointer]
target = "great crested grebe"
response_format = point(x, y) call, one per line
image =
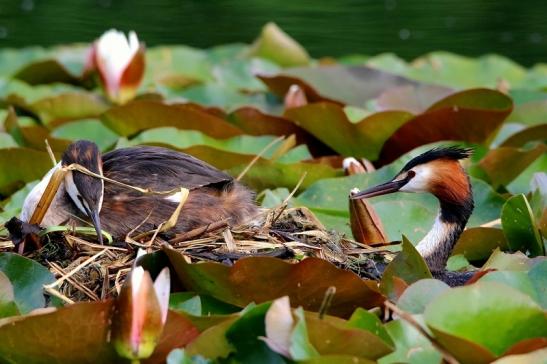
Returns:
point(214, 195)
point(438, 172)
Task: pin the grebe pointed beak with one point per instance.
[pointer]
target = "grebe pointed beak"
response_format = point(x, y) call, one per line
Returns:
point(94, 215)
point(382, 189)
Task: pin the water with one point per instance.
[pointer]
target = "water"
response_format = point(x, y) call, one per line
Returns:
point(326, 28)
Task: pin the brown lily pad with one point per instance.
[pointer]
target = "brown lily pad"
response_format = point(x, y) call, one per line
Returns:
point(261, 279)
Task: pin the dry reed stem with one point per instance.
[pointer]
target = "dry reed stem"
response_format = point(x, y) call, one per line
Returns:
point(75, 270)
point(258, 156)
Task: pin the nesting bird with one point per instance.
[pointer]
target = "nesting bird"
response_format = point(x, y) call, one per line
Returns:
point(438, 172)
point(213, 196)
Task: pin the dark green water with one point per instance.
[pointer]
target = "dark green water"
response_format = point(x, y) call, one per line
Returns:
point(517, 29)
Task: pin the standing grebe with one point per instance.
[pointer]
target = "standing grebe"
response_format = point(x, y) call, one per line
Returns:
point(214, 195)
point(437, 172)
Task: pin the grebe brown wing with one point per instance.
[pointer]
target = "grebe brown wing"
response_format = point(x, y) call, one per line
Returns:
point(161, 169)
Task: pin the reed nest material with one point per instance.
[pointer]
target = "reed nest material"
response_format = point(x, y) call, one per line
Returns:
point(89, 271)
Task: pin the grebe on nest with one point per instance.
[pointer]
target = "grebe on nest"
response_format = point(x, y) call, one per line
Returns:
point(213, 196)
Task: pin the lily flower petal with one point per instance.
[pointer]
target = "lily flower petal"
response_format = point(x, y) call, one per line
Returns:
point(120, 62)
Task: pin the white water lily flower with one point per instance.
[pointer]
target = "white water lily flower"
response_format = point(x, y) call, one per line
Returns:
point(120, 63)
point(140, 314)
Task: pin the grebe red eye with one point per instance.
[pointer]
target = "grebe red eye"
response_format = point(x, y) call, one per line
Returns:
point(410, 174)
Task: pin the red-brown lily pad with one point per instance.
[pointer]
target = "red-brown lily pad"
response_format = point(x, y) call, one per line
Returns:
point(62, 336)
point(352, 85)
point(329, 123)
point(472, 116)
point(504, 164)
point(135, 116)
point(261, 279)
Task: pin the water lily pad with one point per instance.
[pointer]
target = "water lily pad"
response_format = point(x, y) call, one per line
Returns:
point(410, 345)
point(136, 116)
point(305, 282)
point(519, 226)
point(478, 243)
point(21, 165)
point(352, 85)
point(472, 116)
point(493, 316)
point(408, 265)
point(504, 164)
point(419, 294)
point(66, 338)
point(27, 278)
point(276, 45)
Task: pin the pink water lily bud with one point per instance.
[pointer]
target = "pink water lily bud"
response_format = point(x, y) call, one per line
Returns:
point(119, 61)
point(140, 314)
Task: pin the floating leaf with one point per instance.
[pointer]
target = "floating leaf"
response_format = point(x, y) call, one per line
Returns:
point(504, 164)
point(538, 277)
point(331, 336)
point(20, 165)
point(244, 335)
point(305, 283)
point(45, 71)
point(419, 294)
point(89, 129)
point(66, 338)
point(519, 226)
point(414, 99)
point(514, 279)
point(478, 243)
point(8, 306)
point(498, 318)
point(410, 345)
point(520, 138)
point(330, 124)
point(276, 45)
point(505, 261)
point(408, 265)
point(135, 116)
point(365, 320)
point(353, 85)
point(472, 116)
point(27, 278)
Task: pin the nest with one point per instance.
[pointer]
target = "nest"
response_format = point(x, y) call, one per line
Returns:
point(89, 271)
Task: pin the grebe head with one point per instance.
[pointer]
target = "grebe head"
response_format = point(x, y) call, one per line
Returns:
point(438, 172)
point(85, 191)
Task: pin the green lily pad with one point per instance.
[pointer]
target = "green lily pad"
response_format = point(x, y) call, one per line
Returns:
point(59, 109)
point(478, 243)
point(410, 346)
point(519, 226)
point(244, 335)
point(8, 306)
point(408, 265)
point(276, 45)
point(21, 165)
point(491, 315)
point(507, 261)
point(27, 278)
point(515, 279)
point(365, 320)
point(419, 294)
point(330, 124)
point(89, 129)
